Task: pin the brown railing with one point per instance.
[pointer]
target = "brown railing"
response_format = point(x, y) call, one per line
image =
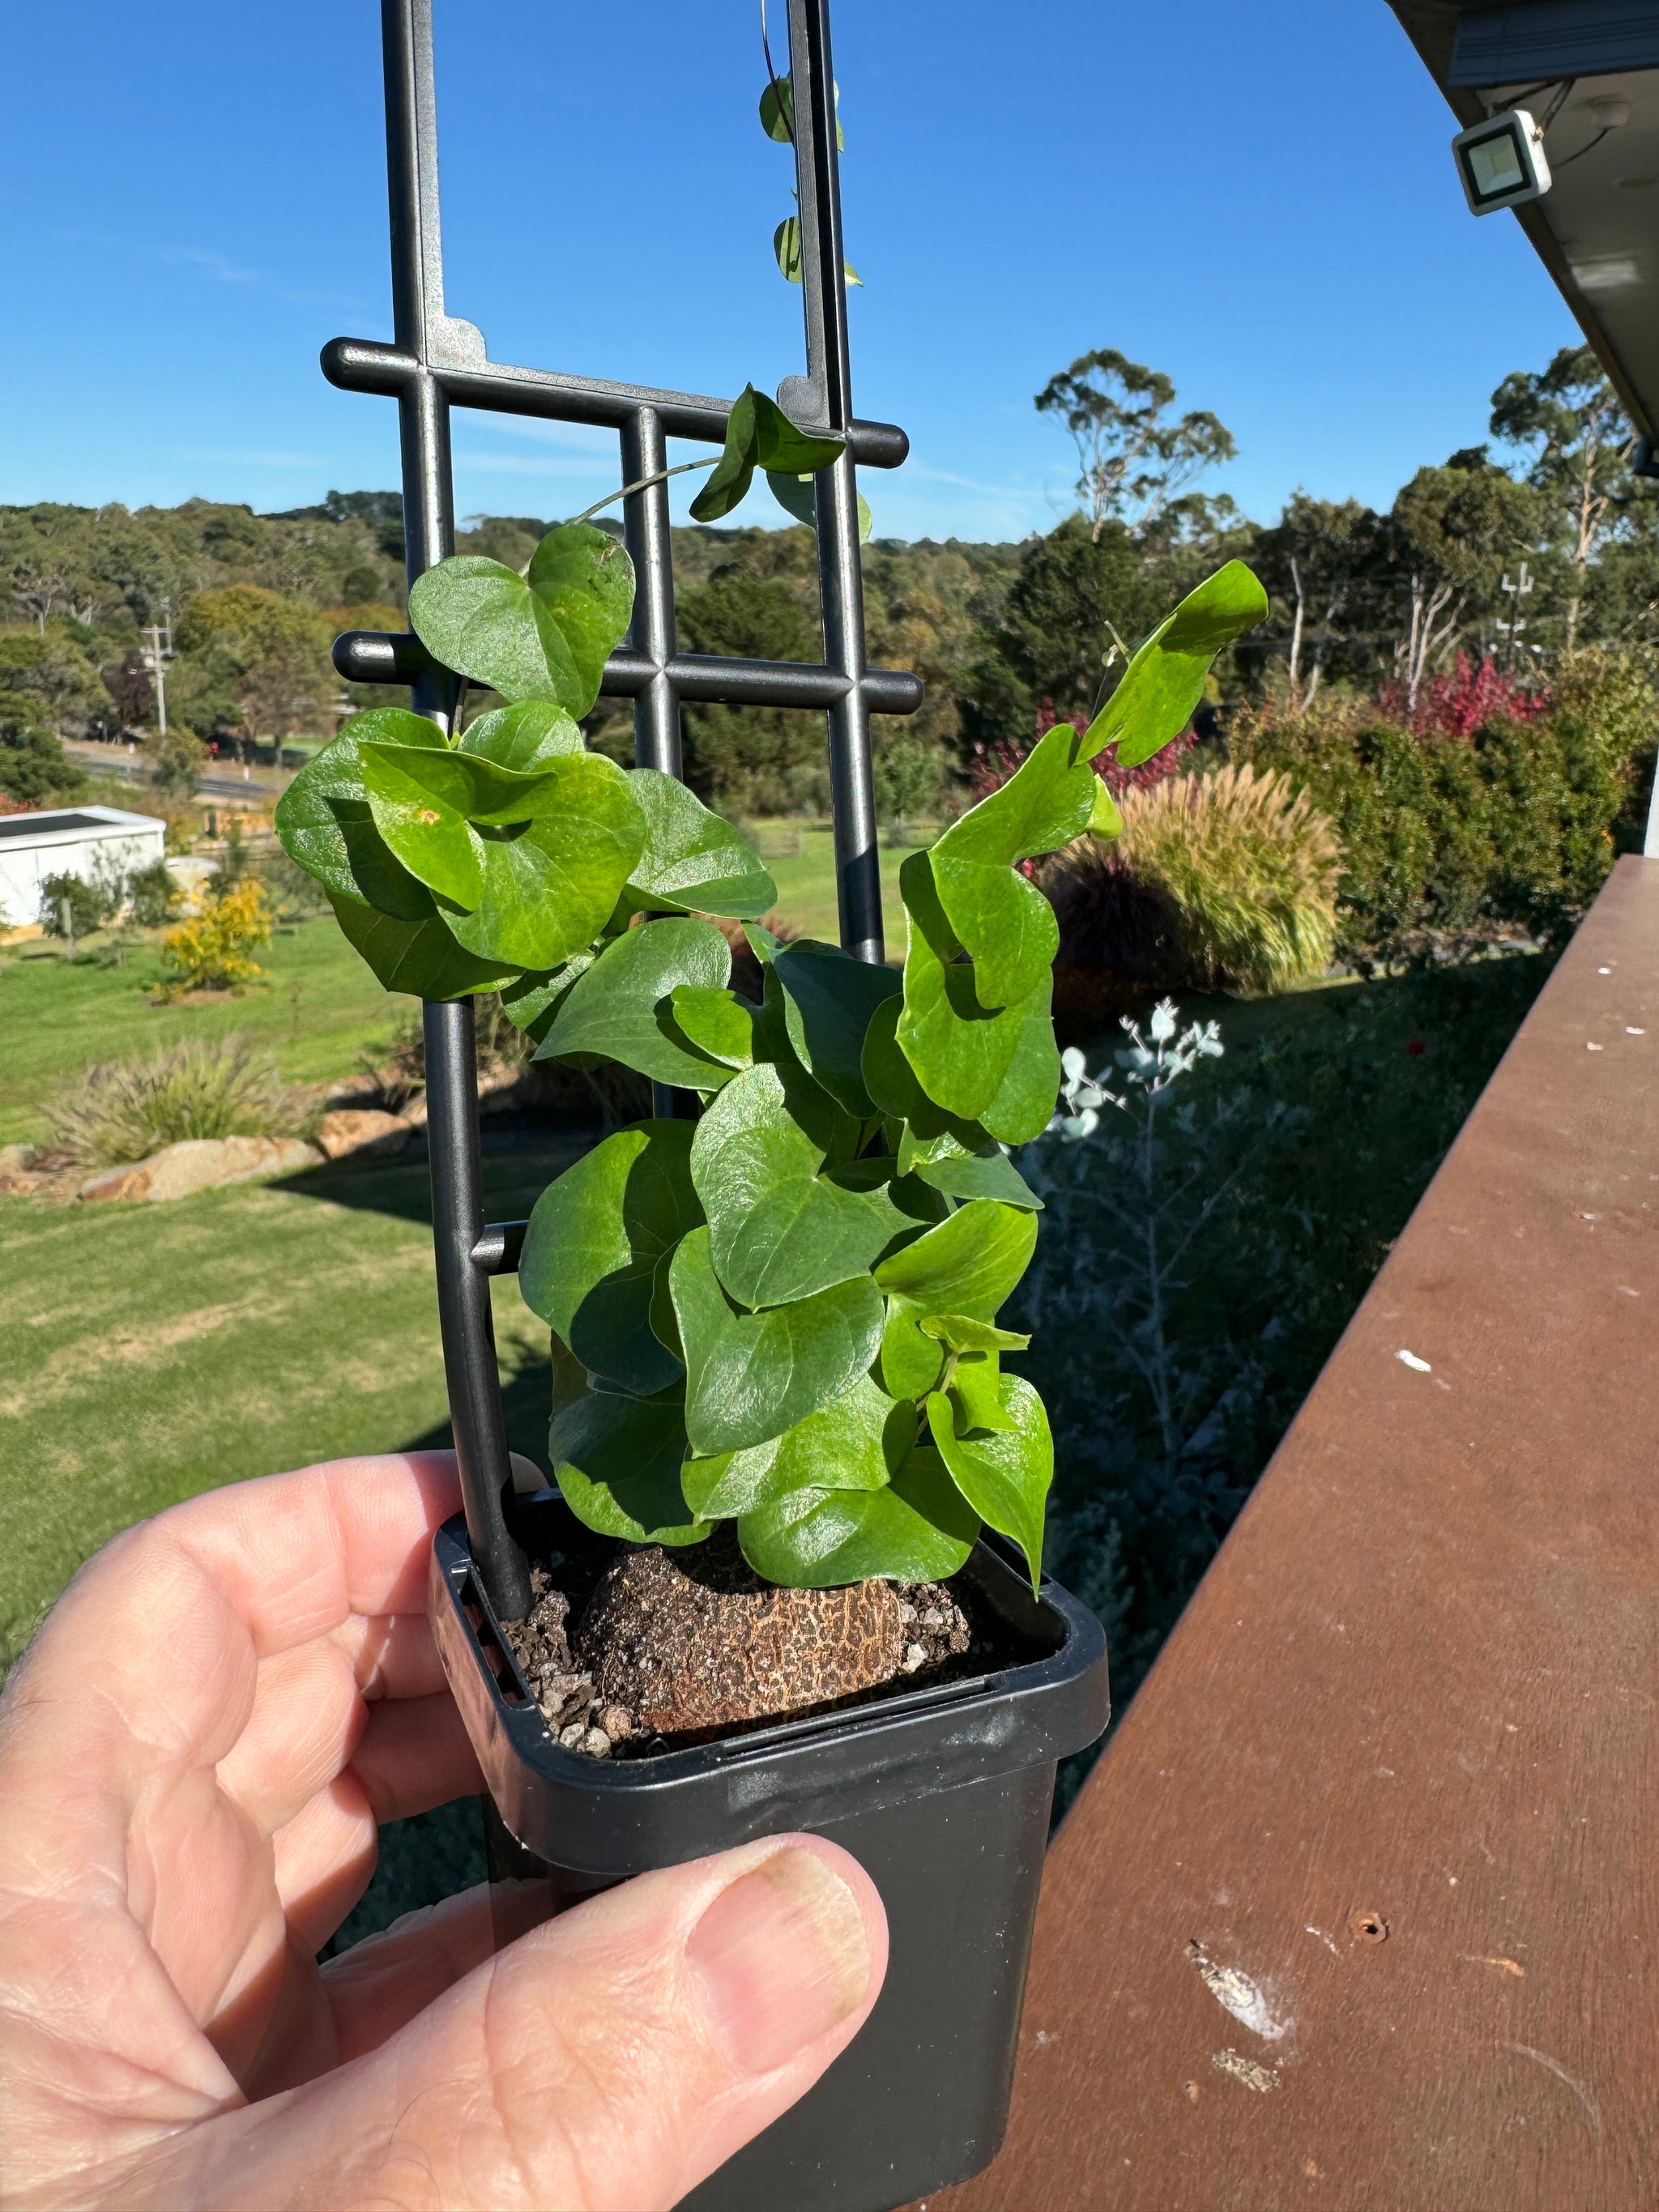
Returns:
point(1356, 1911)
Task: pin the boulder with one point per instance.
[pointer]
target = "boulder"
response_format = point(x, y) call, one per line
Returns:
point(200, 1164)
point(360, 1131)
point(131, 1181)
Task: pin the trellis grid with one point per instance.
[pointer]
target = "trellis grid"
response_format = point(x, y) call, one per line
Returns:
point(437, 361)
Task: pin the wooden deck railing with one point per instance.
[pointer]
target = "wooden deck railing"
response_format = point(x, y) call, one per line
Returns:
point(1359, 1910)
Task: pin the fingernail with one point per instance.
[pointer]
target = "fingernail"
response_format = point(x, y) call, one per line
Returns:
point(780, 1959)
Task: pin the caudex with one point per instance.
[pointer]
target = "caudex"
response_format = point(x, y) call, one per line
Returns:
point(782, 1314)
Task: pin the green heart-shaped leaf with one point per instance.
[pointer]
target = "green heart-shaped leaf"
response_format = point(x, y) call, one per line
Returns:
point(854, 1442)
point(785, 247)
point(420, 956)
point(758, 433)
point(1164, 681)
point(977, 1175)
point(734, 471)
point(971, 1394)
point(1004, 1476)
point(962, 1333)
point(548, 888)
point(894, 1088)
point(532, 999)
point(617, 1460)
point(622, 1007)
point(777, 110)
point(749, 1376)
point(592, 1248)
point(665, 1322)
point(919, 1529)
point(783, 447)
point(1003, 922)
point(1024, 1103)
point(960, 1049)
point(831, 999)
point(546, 636)
point(718, 1023)
point(779, 1229)
point(692, 858)
point(966, 1265)
point(419, 799)
point(1104, 820)
point(798, 495)
point(327, 825)
point(524, 735)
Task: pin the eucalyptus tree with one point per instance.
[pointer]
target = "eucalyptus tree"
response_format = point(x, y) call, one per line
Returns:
point(1135, 458)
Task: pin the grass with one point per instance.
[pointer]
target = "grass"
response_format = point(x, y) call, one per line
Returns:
point(806, 884)
point(151, 1351)
point(316, 1006)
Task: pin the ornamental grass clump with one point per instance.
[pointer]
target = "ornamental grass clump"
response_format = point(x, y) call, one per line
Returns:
point(1223, 880)
point(126, 1109)
point(1252, 866)
point(782, 1314)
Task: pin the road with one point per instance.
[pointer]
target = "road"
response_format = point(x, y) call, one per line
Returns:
point(225, 785)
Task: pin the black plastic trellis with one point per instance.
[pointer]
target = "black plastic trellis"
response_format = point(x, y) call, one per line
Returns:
point(436, 361)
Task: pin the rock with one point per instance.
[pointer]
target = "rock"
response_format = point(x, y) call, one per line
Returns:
point(596, 1743)
point(201, 1163)
point(415, 1112)
point(362, 1132)
point(618, 1723)
point(17, 1160)
point(693, 1639)
point(130, 1182)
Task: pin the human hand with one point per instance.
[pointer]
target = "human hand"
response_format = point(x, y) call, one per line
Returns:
point(193, 1760)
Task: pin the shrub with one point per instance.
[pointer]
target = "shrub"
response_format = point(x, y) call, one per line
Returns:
point(126, 1109)
point(1450, 842)
point(176, 762)
point(908, 772)
point(90, 904)
point(153, 894)
point(1227, 879)
point(36, 771)
point(212, 952)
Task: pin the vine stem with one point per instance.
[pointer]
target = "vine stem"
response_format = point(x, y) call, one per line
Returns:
point(643, 484)
point(784, 107)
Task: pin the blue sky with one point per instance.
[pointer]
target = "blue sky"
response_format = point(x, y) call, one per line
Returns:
point(1259, 201)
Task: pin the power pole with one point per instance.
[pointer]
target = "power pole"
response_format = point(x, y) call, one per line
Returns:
point(156, 653)
point(1518, 591)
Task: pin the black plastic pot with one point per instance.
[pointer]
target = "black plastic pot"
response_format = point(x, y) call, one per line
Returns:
point(942, 1793)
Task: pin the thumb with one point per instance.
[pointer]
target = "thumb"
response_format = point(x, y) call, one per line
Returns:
point(606, 2061)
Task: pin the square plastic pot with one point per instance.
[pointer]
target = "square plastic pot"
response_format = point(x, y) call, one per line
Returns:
point(942, 1793)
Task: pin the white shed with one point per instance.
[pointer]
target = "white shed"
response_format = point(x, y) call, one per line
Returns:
point(99, 843)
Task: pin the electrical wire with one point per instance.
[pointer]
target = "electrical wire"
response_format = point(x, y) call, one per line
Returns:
point(1554, 107)
point(1583, 150)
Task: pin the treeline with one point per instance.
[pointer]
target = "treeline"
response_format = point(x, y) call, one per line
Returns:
point(1521, 551)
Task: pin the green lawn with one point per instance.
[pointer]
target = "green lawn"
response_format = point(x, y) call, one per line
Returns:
point(316, 1005)
point(150, 1352)
point(806, 884)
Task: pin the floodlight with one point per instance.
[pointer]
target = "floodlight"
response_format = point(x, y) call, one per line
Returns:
point(1502, 161)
